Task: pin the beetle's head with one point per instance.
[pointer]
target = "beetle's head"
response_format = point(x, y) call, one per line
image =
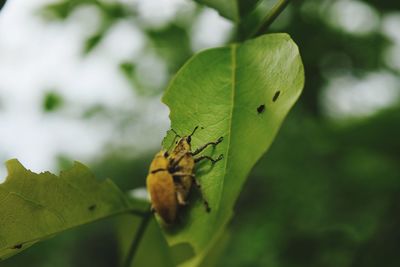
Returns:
point(185, 142)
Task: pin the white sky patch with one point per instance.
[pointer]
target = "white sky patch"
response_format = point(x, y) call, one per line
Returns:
point(139, 193)
point(156, 13)
point(390, 27)
point(152, 71)
point(37, 56)
point(123, 41)
point(89, 16)
point(210, 30)
point(352, 16)
point(348, 97)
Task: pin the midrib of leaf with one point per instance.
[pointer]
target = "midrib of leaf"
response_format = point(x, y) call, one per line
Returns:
point(233, 89)
point(201, 253)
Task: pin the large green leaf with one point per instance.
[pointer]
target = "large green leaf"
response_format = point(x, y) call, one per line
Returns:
point(241, 92)
point(34, 206)
point(231, 9)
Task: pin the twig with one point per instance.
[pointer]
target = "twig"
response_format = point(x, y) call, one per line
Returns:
point(138, 236)
point(2, 3)
point(270, 17)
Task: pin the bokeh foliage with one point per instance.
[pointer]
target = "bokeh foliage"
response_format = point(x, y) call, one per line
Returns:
point(325, 195)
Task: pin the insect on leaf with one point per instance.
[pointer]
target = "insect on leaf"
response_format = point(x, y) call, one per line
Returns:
point(222, 90)
point(34, 207)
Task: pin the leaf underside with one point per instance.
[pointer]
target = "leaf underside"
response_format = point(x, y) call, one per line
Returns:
point(241, 92)
point(34, 206)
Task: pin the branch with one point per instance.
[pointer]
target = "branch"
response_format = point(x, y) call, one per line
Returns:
point(138, 237)
point(270, 17)
point(2, 3)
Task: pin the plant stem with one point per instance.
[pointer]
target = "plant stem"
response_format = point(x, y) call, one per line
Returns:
point(270, 17)
point(2, 3)
point(138, 236)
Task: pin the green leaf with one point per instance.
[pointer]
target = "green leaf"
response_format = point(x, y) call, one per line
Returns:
point(231, 9)
point(34, 206)
point(241, 92)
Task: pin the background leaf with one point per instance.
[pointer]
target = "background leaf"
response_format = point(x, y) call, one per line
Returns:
point(241, 92)
point(2, 3)
point(34, 206)
point(231, 9)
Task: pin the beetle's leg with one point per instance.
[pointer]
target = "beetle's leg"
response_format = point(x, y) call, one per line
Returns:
point(180, 189)
point(213, 161)
point(174, 163)
point(205, 202)
point(181, 199)
point(183, 174)
point(197, 151)
point(180, 194)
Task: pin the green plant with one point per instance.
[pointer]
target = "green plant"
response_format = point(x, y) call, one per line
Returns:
point(242, 91)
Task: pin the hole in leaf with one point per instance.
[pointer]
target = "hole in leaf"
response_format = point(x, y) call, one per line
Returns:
point(277, 93)
point(92, 207)
point(261, 109)
point(18, 246)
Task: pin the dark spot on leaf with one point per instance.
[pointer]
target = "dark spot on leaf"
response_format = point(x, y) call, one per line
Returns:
point(18, 246)
point(261, 109)
point(92, 207)
point(208, 209)
point(277, 93)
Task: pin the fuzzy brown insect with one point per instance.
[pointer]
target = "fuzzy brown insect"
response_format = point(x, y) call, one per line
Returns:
point(171, 177)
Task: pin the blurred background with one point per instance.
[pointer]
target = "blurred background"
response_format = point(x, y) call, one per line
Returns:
point(82, 80)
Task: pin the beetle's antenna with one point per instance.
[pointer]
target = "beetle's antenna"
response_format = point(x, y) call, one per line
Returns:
point(177, 135)
point(194, 130)
point(172, 143)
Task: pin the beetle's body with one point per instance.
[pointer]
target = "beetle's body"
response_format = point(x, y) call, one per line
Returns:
point(171, 177)
point(161, 188)
point(182, 160)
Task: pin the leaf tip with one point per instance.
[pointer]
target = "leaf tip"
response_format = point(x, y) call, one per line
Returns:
point(12, 165)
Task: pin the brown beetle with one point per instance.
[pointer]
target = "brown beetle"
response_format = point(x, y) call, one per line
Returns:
point(171, 177)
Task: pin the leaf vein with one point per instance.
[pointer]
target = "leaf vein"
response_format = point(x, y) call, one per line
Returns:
point(233, 88)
